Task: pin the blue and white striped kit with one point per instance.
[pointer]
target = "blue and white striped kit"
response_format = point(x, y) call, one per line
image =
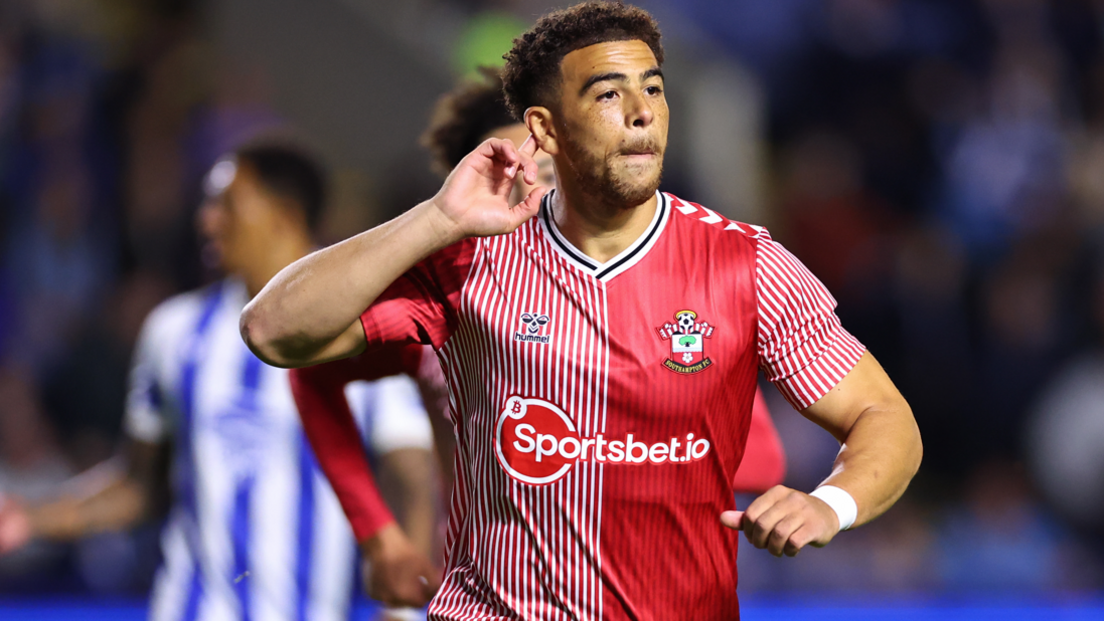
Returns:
point(255, 532)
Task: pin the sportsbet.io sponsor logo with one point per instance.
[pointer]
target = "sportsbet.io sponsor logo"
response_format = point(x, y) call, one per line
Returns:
point(537, 443)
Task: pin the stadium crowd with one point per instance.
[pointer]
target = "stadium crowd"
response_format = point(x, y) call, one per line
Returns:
point(938, 163)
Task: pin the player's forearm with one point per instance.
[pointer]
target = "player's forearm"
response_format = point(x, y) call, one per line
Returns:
point(407, 482)
point(880, 455)
point(300, 315)
point(117, 507)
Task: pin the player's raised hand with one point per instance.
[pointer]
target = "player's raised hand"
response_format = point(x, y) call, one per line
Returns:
point(475, 199)
point(784, 521)
point(395, 572)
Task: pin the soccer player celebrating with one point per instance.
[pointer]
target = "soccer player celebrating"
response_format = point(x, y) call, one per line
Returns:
point(601, 348)
point(476, 111)
point(465, 117)
point(254, 530)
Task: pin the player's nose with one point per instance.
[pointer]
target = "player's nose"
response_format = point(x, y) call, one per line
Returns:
point(638, 112)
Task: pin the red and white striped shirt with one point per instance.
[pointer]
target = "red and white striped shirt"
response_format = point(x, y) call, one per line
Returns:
point(602, 409)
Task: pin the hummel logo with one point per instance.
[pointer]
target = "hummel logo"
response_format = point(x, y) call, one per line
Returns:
point(533, 324)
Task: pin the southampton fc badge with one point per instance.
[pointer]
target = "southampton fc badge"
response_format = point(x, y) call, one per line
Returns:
point(687, 336)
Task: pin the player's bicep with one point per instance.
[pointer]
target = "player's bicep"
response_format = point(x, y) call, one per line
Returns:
point(865, 387)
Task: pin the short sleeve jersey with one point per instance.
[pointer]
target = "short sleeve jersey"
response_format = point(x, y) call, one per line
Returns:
point(248, 497)
point(602, 410)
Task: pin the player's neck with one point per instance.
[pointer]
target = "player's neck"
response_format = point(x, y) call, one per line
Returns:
point(280, 254)
point(599, 230)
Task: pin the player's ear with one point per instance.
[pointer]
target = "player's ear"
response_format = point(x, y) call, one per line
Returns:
point(538, 120)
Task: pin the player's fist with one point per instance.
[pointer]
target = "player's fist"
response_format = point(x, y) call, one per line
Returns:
point(395, 572)
point(15, 525)
point(784, 521)
point(475, 199)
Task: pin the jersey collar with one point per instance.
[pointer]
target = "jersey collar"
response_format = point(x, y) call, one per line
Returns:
point(627, 258)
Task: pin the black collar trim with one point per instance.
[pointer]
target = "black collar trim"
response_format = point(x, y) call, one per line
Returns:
point(618, 263)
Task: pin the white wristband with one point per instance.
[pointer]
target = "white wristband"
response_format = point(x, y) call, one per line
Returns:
point(841, 502)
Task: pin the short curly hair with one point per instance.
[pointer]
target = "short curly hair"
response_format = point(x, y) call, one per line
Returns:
point(532, 72)
point(463, 117)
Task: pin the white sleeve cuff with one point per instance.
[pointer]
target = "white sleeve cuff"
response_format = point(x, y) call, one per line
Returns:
point(841, 502)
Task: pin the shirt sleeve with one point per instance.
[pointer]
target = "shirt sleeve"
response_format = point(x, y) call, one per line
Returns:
point(380, 362)
point(803, 348)
point(145, 418)
point(420, 306)
point(330, 428)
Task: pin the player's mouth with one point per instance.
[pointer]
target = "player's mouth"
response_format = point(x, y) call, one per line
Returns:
point(640, 151)
point(640, 156)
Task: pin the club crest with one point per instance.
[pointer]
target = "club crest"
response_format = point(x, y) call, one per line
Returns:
point(687, 336)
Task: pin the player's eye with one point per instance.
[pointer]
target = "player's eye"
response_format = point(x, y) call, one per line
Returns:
point(608, 95)
point(653, 90)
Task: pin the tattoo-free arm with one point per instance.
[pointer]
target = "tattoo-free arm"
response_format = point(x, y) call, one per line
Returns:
point(309, 312)
point(880, 442)
point(880, 453)
point(104, 498)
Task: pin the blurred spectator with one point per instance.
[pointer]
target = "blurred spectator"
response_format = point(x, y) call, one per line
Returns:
point(157, 181)
point(1007, 163)
point(1002, 541)
point(59, 260)
point(1065, 436)
point(937, 354)
point(83, 391)
point(841, 229)
point(1023, 341)
point(1065, 440)
point(832, 221)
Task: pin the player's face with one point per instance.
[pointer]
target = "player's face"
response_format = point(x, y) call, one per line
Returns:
point(238, 218)
point(546, 175)
point(613, 119)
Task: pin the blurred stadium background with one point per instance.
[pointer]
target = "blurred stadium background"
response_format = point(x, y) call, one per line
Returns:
point(939, 163)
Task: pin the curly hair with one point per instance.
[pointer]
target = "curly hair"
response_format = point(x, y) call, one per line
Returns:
point(532, 72)
point(463, 116)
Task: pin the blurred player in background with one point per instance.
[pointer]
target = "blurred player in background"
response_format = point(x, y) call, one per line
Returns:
point(464, 118)
point(254, 530)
